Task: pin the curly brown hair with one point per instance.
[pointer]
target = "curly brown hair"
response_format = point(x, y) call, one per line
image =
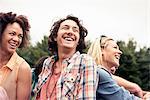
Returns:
point(53, 34)
point(10, 18)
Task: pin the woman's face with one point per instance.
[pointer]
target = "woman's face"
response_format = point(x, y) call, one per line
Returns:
point(11, 38)
point(111, 54)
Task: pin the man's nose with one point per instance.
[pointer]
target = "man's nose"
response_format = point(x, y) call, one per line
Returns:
point(70, 32)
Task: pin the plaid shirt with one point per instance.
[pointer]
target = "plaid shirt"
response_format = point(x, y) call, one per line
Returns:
point(77, 80)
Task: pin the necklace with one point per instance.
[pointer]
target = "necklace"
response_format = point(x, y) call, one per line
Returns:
point(52, 82)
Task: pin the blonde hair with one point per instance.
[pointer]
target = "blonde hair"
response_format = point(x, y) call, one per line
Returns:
point(96, 47)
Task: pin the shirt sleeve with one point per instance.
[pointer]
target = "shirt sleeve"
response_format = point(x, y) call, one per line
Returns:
point(87, 87)
point(109, 90)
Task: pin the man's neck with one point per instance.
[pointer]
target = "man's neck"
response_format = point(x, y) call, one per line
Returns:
point(63, 54)
point(66, 55)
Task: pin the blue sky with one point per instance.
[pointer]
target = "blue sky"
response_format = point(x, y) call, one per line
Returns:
point(119, 19)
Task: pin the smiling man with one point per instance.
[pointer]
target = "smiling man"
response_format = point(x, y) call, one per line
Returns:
point(68, 74)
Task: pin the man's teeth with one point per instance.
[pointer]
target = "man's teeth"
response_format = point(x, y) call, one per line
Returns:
point(68, 39)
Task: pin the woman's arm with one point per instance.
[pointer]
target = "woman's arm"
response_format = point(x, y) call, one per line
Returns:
point(24, 82)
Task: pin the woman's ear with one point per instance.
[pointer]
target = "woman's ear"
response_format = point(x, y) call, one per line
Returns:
point(102, 50)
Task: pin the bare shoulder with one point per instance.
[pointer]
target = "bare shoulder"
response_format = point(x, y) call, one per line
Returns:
point(25, 66)
point(24, 81)
point(24, 69)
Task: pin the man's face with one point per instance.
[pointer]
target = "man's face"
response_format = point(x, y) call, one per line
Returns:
point(68, 35)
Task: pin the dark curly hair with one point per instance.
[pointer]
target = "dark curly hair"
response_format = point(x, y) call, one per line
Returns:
point(52, 44)
point(10, 18)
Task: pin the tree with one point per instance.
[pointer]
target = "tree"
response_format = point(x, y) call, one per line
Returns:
point(128, 65)
point(144, 67)
point(33, 53)
point(135, 65)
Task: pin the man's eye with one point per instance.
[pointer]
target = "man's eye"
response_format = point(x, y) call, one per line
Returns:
point(65, 28)
point(76, 30)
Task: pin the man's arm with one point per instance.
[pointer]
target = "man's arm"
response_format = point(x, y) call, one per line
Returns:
point(108, 89)
point(132, 87)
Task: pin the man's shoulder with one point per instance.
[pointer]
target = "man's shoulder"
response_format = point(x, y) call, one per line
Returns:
point(86, 56)
point(81, 56)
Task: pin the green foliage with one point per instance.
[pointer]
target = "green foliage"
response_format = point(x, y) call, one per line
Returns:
point(88, 43)
point(33, 53)
point(135, 65)
point(144, 67)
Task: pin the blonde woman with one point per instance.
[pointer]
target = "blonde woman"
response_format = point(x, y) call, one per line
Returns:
point(106, 53)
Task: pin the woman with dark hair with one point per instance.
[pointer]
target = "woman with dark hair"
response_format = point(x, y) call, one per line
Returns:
point(68, 74)
point(15, 73)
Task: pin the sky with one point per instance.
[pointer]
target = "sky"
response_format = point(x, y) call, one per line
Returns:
point(119, 19)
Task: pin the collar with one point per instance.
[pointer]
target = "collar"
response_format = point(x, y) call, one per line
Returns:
point(55, 57)
point(12, 61)
point(102, 67)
